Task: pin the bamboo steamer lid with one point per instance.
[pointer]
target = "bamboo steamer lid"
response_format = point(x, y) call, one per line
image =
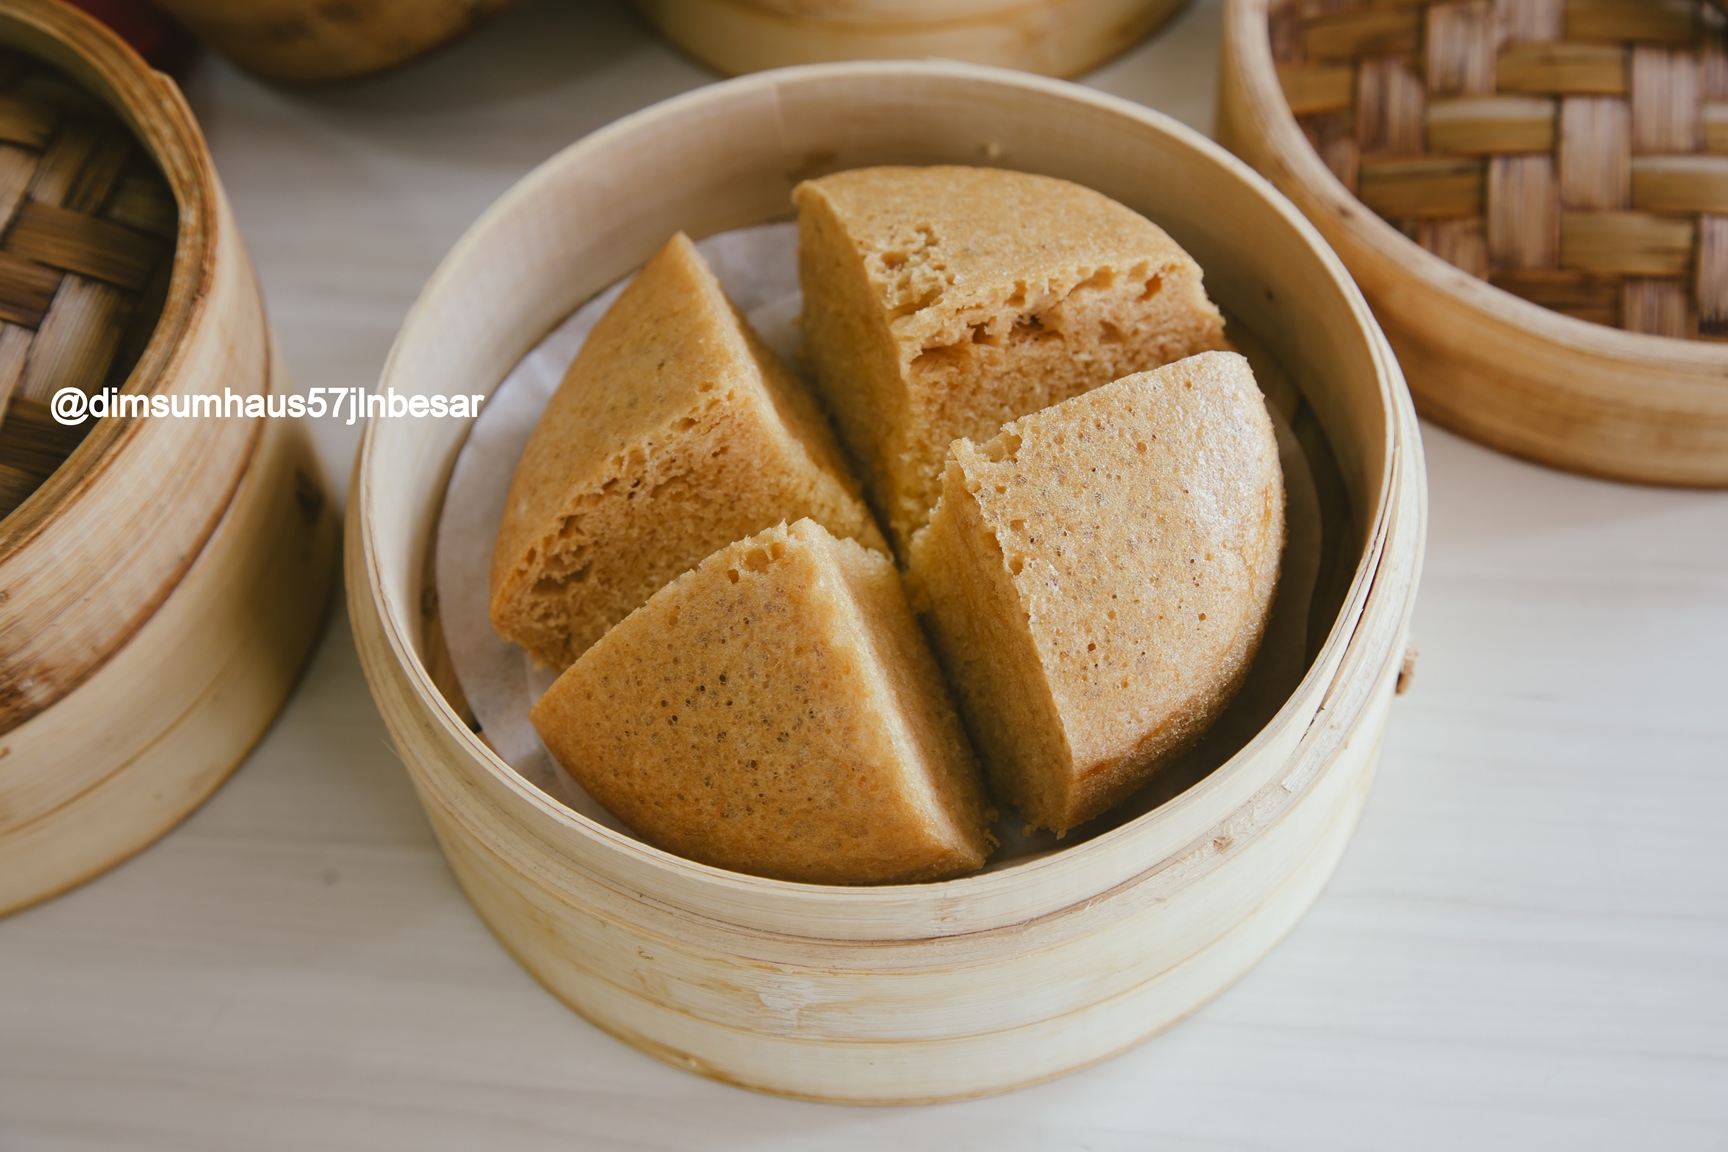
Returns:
point(314, 40)
point(897, 993)
point(1050, 37)
point(160, 589)
point(1573, 155)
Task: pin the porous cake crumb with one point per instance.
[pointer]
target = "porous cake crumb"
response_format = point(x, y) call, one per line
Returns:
point(675, 432)
point(775, 711)
point(942, 302)
point(1096, 580)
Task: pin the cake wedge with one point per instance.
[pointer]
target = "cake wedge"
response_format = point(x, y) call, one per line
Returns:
point(675, 431)
point(1096, 580)
point(776, 711)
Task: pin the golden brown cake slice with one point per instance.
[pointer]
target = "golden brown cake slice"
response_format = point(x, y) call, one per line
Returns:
point(1097, 577)
point(675, 432)
point(943, 302)
point(776, 712)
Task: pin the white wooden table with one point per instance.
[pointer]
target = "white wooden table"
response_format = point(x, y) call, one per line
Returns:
point(1526, 946)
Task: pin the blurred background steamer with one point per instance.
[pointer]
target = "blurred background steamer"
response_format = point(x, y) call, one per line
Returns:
point(161, 580)
point(301, 41)
point(1051, 37)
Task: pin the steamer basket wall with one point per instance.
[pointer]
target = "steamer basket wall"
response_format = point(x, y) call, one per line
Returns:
point(163, 587)
point(1501, 370)
point(915, 992)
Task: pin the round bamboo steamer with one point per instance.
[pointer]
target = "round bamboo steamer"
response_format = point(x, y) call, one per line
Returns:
point(1050, 37)
point(160, 591)
point(315, 40)
point(1501, 370)
point(911, 992)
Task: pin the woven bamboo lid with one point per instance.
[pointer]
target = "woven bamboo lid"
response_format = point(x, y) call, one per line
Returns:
point(1572, 152)
point(87, 228)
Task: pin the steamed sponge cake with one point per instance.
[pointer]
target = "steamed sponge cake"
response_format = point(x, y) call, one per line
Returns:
point(942, 302)
point(1096, 580)
point(675, 432)
point(775, 711)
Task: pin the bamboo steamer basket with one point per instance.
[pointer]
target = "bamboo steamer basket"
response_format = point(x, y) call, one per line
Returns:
point(911, 992)
point(160, 591)
point(1051, 37)
point(315, 40)
point(1500, 369)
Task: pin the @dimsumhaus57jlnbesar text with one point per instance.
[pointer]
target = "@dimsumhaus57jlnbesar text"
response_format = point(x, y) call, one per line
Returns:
point(74, 405)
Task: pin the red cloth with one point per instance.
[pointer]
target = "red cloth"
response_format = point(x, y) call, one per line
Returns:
point(153, 35)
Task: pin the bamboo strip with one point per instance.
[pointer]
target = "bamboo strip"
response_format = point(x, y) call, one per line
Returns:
point(1460, 241)
point(1390, 108)
point(1460, 46)
point(27, 122)
point(1530, 21)
point(1314, 88)
point(1713, 67)
point(1576, 294)
point(1694, 184)
point(1478, 125)
point(1426, 187)
point(17, 170)
point(141, 201)
point(79, 168)
point(1523, 211)
point(1626, 243)
point(78, 339)
point(1665, 101)
point(85, 244)
point(1595, 153)
point(32, 446)
point(26, 290)
point(1378, 30)
point(1563, 69)
point(1656, 307)
point(14, 348)
point(1714, 117)
point(1712, 286)
point(1659, 21)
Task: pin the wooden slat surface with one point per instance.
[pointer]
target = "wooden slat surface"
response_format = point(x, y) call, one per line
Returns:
point(1627, 243)
point(1563, 68)
point(81, 243)
point(1433, 186)
point(1486, 124)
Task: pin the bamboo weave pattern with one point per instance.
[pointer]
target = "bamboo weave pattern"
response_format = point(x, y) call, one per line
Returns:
point(87, 227)
point(1572, 152)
